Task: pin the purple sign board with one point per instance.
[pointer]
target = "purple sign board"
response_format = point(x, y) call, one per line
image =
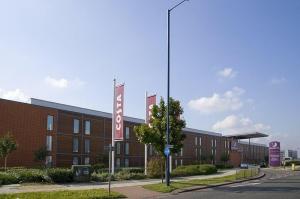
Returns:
point(274, 154)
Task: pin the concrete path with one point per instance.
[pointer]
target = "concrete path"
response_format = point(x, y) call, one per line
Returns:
point(131, 188)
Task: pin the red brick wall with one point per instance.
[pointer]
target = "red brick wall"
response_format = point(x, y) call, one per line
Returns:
point(28, 125)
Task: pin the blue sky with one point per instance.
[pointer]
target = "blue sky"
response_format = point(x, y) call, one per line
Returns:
point(234, 64)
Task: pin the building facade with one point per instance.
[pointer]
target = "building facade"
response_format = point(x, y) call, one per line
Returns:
point(74, 135)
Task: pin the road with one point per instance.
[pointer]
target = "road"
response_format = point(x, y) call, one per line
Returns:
point(277, 184)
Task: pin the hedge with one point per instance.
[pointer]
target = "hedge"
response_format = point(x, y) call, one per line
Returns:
point(59, 175)
point(190, 170)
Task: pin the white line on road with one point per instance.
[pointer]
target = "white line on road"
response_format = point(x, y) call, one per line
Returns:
point(243, 185)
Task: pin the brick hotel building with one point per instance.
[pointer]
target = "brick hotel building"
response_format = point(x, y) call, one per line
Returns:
point(75, 135)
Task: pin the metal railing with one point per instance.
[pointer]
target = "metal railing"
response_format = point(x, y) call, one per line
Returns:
point(247, 173)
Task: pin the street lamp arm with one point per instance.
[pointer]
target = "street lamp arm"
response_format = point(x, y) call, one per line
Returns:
point(177, 5)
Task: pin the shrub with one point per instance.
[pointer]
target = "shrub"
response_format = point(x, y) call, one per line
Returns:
point(101, 177)
point(154, 169)
point(133, 169)
point(289, 163)
point(8, 178)
point(98, 168)
point(29, 175)
point(194, 170)
point(60, 175)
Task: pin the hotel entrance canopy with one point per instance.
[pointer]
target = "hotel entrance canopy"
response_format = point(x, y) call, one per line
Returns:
point(247, 136)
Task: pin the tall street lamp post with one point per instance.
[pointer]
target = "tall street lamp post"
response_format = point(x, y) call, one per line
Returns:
point(168, 98)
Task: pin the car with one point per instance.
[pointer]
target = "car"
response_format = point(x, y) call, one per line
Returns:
point(262, 165)
point(244, 166)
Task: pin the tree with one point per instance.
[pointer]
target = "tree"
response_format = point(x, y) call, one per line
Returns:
point(155, 133)
point(225, 158)
point(7, 145)
point(41, 154)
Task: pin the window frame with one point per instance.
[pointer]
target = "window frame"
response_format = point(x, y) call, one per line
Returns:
point(74, 126)
point(85, 127)
point(50, 127)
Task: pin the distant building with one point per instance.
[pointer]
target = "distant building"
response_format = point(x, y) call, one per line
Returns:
point(292, 154)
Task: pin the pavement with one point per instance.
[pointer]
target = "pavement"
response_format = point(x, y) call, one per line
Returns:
point(277, 184)
point(130, 188)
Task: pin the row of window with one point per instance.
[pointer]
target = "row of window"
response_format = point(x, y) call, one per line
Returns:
point(87, 145)
point(118, 148)
point(76, 126)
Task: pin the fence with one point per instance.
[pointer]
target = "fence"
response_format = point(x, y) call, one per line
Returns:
point(247, 173)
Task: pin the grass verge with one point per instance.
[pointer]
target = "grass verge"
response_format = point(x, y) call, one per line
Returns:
point(243, 174)
point(85, 194)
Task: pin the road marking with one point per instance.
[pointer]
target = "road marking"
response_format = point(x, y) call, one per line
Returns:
point(243, 185)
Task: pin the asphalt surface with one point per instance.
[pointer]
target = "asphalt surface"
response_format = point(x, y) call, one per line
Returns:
point(277, 184)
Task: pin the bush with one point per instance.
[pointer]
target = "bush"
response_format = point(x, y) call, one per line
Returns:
point(154, 169)
point(98, 168)
point(101, 177)
point(8, 178)
point(127, 175)
point(133, 169)
point(189, 170)
point(289, 163)
point(60, 175)
point(29, 175)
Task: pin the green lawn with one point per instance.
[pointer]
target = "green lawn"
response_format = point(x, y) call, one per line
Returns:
point(86, 194)
point(201, 182)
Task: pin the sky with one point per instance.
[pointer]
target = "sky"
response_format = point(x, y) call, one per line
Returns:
point(235, 64)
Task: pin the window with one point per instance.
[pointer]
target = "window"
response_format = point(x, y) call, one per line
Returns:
point(127, 133)
point(181, 162)
point(50, 123)
point(75, 145)
point(196, 153)
point(87, 127)
point(126, 162)
point(86, 160)
point(118, 162)
point(212, 152)
point(225, 144)
point(126, 148)
point(200, 141)
point(48, 161)
point(75, 126)
point(212, 143)
point(176, 163)
point(181, 152)
point(215, 152)
point(86, 145)
point(75, 160)
point(196, 141)
point(49, 143)
point(200, 153)
point(215, 143)
point(118, 148)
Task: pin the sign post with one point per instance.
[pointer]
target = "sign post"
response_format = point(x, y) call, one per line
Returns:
point(110, 151)
point(117, 119)
point(274, 154)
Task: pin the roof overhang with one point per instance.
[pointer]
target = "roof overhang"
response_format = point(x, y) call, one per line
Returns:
point(247, 135)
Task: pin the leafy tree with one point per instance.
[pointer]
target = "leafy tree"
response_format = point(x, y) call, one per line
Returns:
point(41, 154)
point(155, 133)
point(225, 158)
point(7, 145)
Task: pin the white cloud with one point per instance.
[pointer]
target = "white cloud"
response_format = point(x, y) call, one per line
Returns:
point(15, 95)
point(57, 83)
point(227, 73)
point(239, 124)
point(229, 101)
point(277, 80)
